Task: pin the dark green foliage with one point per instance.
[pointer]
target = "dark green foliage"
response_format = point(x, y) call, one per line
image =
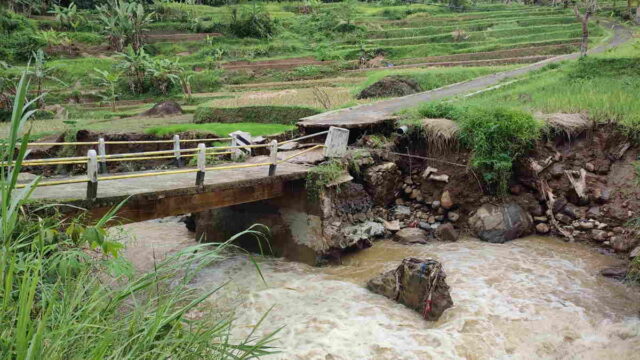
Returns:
point(346, 28)
point(254, 114)
point(255, 23)
point(497, 136)
point(204, 81)
point(19, 38)
point(590, 67)
point(43, 115)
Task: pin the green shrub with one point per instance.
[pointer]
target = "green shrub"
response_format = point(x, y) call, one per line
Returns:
point(86, 37)
point(322, 175)
point(205, 81)
point(346, 28)
point(496, 135)
point(255, 114)
point(19, 37)
point(44, 115)
point(255, 23)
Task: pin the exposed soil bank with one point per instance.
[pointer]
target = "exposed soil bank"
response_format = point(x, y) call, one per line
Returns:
point(581, 187)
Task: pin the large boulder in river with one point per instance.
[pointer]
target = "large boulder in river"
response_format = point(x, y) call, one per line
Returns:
point(164, 108)
point(391, 86)
point(501, 223)
point(410, 235)
point(418, 284)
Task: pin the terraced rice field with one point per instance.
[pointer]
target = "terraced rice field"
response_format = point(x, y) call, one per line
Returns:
point(304, 65)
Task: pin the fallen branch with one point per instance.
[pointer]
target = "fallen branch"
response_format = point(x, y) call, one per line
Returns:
point(550, 199)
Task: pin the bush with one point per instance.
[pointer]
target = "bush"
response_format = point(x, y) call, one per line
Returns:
point(19, 37)
point(255, 23)
point(497, 136)
point(346, 28)
point(205, 81)
point(43, 115)
point(322, 175)
point(255, 114)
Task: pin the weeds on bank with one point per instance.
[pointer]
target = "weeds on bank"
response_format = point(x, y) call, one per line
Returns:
point(496, 135)
point(66, 294)
point(322, 175)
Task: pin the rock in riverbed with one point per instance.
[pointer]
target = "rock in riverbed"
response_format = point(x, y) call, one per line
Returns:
point(417, 284)
point(501, 223)
point(411, 236)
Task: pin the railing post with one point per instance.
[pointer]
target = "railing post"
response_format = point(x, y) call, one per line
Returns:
point(336, 142)
point(102, 152)
point(92, 175)
point(176, 150)
point(240, 138)
point(202, 164)
point(274, 157)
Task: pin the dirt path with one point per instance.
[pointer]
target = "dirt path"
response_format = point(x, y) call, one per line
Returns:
point(375, 113)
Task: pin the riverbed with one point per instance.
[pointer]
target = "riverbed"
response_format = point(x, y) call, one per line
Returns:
point(532, 298)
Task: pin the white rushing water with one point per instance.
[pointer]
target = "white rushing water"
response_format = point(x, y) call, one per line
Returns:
point(533, 298)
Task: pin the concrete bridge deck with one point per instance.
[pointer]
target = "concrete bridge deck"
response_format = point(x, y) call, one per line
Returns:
point(168, 195)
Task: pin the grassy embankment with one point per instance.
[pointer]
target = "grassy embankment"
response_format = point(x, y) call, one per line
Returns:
point(603, 86)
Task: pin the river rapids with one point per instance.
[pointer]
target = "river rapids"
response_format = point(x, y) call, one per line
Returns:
point(532, 298)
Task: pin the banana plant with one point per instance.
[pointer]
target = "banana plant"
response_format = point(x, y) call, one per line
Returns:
point(108, 80)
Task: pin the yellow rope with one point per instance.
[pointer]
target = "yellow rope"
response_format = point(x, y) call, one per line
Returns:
point(171, 172)
point(114, 142)
point(237, 166)
point(56, 161)
point(57, 182)
point(300, 153)
point(48, 163)
point(131, 176)
point(63, 143)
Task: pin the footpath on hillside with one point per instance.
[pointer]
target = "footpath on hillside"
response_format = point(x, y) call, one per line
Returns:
point(375, 113)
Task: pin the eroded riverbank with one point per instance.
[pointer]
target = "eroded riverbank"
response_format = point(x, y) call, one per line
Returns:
point(529, 298)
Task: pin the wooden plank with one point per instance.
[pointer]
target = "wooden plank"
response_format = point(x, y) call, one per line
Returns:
point(146, 208)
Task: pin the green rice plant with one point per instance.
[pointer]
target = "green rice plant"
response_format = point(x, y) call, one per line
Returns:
point(222, 129)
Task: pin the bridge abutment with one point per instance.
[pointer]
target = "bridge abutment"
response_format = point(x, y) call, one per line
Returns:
point(302, 228)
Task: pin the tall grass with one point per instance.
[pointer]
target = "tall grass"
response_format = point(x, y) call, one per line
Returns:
point(60, 298)
point(606, 87)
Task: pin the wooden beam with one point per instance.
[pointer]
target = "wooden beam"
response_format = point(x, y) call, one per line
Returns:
point(142, 208)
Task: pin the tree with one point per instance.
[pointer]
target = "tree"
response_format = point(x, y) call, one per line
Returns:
point(590, 7)
point(160, 71)
point(39, 73)
point(347, 11)
point(68, 17)
point(124, 23)
point(134, 65)
point(8, 81)
point(109, 80)
point(184, 80)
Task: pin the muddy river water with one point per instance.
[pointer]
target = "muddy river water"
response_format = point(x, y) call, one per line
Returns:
point(533, 298)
